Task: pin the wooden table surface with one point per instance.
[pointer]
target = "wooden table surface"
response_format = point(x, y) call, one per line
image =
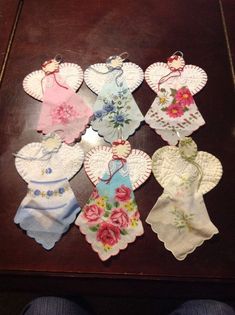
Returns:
point(87, 32)
point(8, 17)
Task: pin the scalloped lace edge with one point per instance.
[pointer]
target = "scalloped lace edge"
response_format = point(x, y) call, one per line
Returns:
point(188, 252)
point(113, 254)
point(39, 241)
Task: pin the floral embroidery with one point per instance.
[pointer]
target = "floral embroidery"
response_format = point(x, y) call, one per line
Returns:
point(95, 194)
point(48, 170)
point(181, 219)
point(108, 234)
point(135, 219)
point(48, 193)
point(175, 110)
point(109, 107)
point(101, 202)
point(99, 114)
point(184, 97)
point(119, 218)
point(164, 98)
point(122, 193)
point(109, 218)
point(130, 205)
point(116, 110)
point(179, 101)
point(37, 192)
point(92, 213)
point(64, 113)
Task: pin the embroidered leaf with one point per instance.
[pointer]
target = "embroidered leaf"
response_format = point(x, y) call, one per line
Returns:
point(108, 206)
point(164, 109)
point(116, 204)
point(106, 214)
point(185, 109)
point(162, 90)
point(94, 228)
point(124, 232)
point(173, 92)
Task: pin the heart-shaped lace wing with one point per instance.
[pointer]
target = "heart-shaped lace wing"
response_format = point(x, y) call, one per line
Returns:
point(71, 74)
point(192, 76)
point(97, 160)
point(32, 162)
point(167, 162)
point(132, 74)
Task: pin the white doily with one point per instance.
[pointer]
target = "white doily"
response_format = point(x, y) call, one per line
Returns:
point(192, 76)
point(132, 74)
point(97, 160)
point(70, 73)
point(167, 163)
point(33, 163)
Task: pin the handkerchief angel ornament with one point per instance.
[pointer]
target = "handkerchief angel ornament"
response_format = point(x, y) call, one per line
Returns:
point(180, 216)
point(115, 108)
point(63, 111)
point(174, 109)
point(110, 220)
point(49, 206)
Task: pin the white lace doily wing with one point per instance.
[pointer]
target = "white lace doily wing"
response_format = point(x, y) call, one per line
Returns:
point(70, 159)
point(167, 162)
point(132, 74)
point(163, 164)
point(70, 73)
point(212, 171)
point(139, 166)
point(97, 160)
point(66, 162)
point(192, 76)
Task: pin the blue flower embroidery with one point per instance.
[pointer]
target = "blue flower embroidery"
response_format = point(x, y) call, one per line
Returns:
point(61, 190)
point(99, 114)
point(48, 170)
point(119, 118)
point(37, 192)
point(109, 107)
point(49, 193)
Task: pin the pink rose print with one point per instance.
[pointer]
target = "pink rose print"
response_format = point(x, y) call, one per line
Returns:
point(184, 97)
point(175, 110)
point(108, 234)
point(119, 218)
point(95, 194)
point(64, 113)
point(122, 193)
point(136, 215)
point(92, 213)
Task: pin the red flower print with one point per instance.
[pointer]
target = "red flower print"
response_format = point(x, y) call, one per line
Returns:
point(122, 193)
point(108, 234)
point(95, 194)
point(175, 110)
point(119, 218)
point(184, 97)
point(64, 113)
point(92, 213)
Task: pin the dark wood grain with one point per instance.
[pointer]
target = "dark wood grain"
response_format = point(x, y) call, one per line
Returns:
point(228, 9)
point(86, 32)
point(8, 12)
